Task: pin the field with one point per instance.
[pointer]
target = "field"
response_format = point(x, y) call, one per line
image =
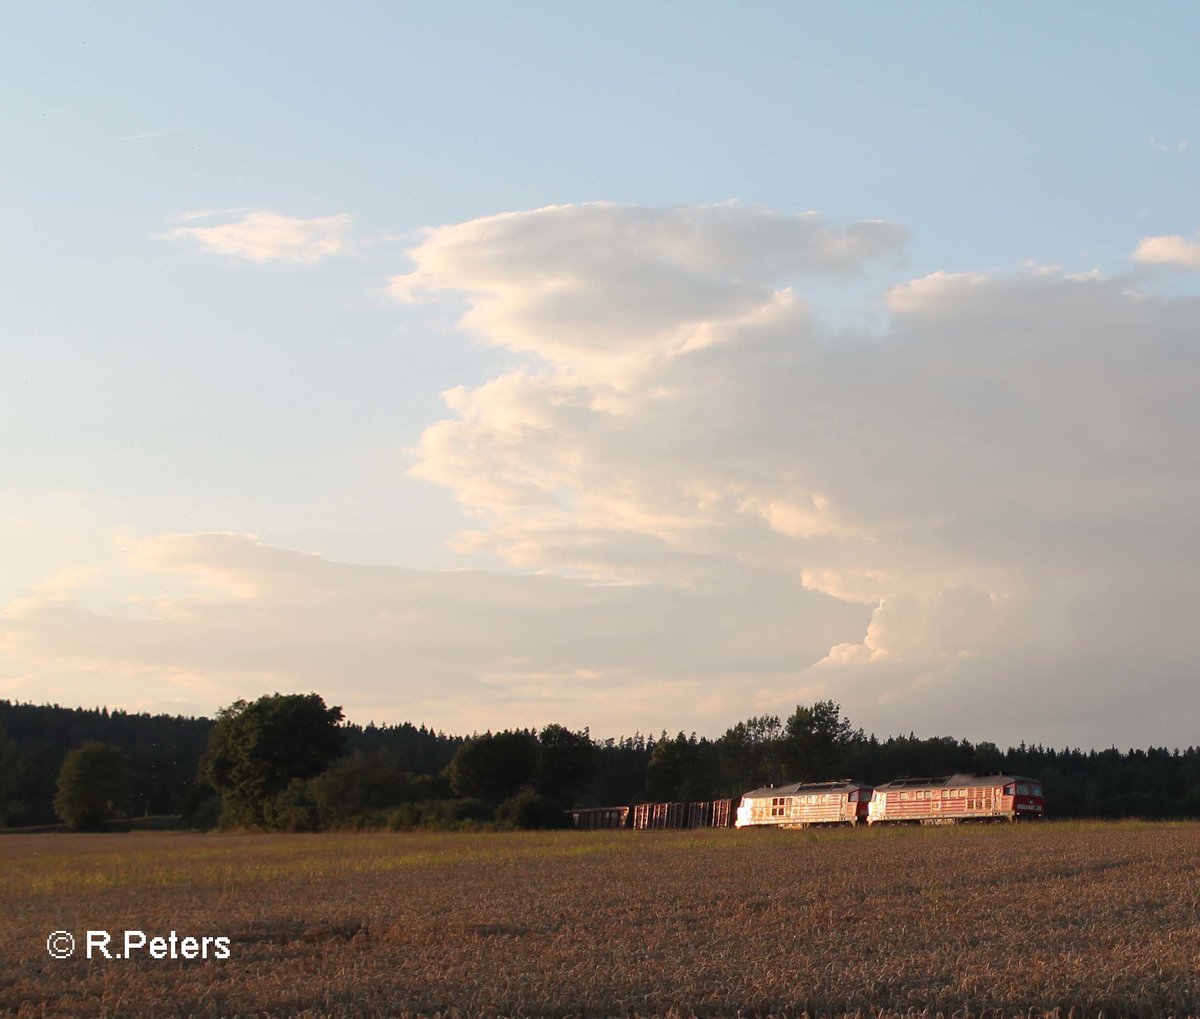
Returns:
point(995, 920)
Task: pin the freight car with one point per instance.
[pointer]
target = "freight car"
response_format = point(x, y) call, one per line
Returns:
point(956, 798)
point(696, 814)
point(805, 803)
point(591, 818)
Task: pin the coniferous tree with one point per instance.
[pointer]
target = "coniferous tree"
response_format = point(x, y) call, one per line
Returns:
point(10, 767)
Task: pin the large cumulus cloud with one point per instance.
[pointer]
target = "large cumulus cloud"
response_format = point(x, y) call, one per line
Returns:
point(1004, 475)
point(975, 516)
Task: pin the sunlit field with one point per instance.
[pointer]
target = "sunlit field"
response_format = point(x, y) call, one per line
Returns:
point(973, 920)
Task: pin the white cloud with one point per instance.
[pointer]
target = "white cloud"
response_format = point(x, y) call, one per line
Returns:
point(611, 287)
point(1168, 250)
point(260, 235)
point(1004, 474)
point(231, 617)
point(977, 519)
point(1171, 148)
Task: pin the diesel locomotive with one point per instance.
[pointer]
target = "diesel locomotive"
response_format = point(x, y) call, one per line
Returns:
point(949, 799)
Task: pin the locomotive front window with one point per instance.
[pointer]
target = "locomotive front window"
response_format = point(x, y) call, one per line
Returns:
point(1035, 788)
point(1022, 788)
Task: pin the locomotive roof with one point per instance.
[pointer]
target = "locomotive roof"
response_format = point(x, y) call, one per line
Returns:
point(952, 781)
point(801, 788)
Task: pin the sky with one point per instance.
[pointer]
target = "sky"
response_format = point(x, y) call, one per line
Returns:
point(636, 367)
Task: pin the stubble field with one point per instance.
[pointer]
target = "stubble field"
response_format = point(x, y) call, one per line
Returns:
point(1081, 918)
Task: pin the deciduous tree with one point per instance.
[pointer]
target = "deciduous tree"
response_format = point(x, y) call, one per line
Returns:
point(566, 763)
point(93, 786)
point(494, 767)
point(815, 742)
point(258, 749)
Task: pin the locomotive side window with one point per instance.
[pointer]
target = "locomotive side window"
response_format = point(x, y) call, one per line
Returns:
point(1010, 789)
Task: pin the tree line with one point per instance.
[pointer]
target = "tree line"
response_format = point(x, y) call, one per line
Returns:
point(290, 762)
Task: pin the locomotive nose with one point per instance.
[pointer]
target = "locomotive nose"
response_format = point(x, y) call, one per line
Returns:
point(1027, 798)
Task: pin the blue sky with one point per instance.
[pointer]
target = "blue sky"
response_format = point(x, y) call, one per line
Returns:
point(156, 384)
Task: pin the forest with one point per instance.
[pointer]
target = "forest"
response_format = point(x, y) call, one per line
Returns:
point(290, 762)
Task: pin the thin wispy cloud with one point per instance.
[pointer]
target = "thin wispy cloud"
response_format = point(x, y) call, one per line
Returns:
point(260, 235)
point(198, 214)
point(1171, 148)
point(151, 134)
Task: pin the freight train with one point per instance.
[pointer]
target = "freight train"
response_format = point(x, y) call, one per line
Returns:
point(950, 799)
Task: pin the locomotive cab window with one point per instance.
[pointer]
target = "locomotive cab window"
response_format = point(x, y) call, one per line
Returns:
point(1022, 788)
point(1035, 789)
point(1010, 789)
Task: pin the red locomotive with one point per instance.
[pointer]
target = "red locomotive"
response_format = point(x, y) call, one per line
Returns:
point(955, 798)
point(805, 803)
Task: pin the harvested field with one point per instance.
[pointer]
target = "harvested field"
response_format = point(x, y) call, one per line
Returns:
point(1081, 918)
